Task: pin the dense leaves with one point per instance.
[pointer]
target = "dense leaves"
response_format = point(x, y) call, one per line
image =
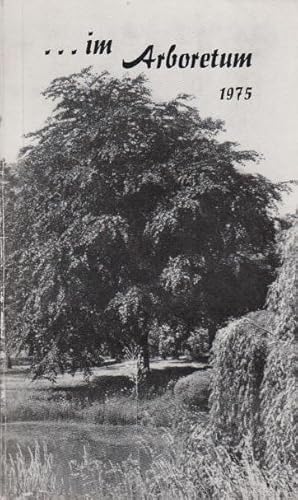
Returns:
point(131, 212)
point(239, 357)
point(278, 390)
point(254, 373)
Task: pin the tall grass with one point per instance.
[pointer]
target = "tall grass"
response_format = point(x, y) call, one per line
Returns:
point(30, 476)
point(210, 474)
point(160, 411)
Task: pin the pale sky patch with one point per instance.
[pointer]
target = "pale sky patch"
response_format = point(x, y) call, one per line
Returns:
point(266, 123)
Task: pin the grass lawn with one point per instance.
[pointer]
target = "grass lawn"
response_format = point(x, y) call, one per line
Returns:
point(71, 396)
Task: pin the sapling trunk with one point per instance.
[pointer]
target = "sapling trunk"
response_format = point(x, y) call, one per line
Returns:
point(145, 352)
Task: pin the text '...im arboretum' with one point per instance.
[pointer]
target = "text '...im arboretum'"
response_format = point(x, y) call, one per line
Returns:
point(170, 58)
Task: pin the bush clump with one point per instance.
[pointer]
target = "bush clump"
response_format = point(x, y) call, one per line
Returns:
point(193, 390)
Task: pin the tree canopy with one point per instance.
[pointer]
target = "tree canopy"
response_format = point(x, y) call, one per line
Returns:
point(129, 213)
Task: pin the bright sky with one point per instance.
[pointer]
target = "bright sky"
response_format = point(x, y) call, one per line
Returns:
point(267, 28)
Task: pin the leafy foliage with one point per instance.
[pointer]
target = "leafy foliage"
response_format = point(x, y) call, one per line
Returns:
point(239, 356)
point(130, 211)
point(194, 389)
point(278, 405)
point(198, 343)
point(253, 382)
point(168, 339)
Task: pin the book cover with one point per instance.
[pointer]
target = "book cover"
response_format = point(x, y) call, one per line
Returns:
point(148, 186)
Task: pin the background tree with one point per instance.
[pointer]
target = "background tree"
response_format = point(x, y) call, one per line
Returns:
point(130, 212)
point(9, 187)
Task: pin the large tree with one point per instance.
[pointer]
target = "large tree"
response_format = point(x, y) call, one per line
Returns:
point(129, 212)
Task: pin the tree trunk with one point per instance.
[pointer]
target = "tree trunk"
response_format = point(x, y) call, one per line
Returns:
point(212, 332)
point(145, 353)
point(9, 362)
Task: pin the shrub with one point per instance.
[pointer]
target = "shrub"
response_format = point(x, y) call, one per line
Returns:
point(253, 382)
point(278, 391)
point(193, 390)
point(239, 355)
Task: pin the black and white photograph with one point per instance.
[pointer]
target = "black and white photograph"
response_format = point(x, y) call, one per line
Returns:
point(148, 249)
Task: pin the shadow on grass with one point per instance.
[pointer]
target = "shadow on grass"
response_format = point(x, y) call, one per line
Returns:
point(159, 379)
point(103, 386)
point(98, 389)
point(105, 399)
